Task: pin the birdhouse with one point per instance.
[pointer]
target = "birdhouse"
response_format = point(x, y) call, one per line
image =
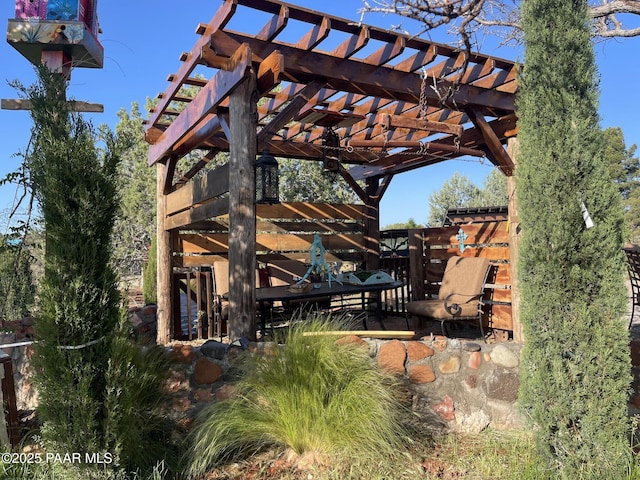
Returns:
point(65, 29)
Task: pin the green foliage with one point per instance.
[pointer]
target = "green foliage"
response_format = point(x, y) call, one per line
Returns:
point(305, 181)
point(575, 376)
point(83, 362)
point(624, 168)
point(79, 305)
point(411, 223)
point(135, 222)
point(459, 192)
point(136, 431)
point(310, 394)
point(17, 290)
point(149, 282)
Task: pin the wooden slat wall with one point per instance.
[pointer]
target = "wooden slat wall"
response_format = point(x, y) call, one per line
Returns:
point(284, 231)
point(488, 239)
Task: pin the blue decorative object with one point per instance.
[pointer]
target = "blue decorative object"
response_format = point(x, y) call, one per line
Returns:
point(461, 237)
point(318, 263)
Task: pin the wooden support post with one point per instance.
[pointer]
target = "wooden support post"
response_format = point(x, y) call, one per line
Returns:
point(199, 315)
point(242, 211)
point(209, 304)
point(371, 225)
point(187, 284)
point(165, 267)
point(416, 246)
point(514, 242)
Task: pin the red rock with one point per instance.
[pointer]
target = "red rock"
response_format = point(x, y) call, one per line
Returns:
point(452, 365)
point(475, 360)
point(418, 351)
point(440, 343)
point(445, 408)
point(353, 339)
point(182, 354)
point(472, 381)
point(205, 371)
point(392, 356)
point(419, 374)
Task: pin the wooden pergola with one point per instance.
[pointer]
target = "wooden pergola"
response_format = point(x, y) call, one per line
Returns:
point(371, 103)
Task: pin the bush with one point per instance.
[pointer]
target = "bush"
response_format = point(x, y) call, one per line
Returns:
point(136, 432)
point(311, 394)
point(149, 281)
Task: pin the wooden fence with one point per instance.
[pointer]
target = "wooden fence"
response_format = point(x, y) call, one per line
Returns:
point(430, 248)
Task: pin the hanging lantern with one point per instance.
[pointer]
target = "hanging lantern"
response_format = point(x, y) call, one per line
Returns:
point(266, 178)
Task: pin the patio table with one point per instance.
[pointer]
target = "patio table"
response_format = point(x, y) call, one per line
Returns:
point(266, 295)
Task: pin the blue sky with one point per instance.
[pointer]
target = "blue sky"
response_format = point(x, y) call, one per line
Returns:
point(143, 40)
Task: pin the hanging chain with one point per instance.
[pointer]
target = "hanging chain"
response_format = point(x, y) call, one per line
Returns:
point(423, 94)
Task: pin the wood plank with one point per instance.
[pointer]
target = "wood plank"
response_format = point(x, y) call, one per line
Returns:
point(350, 257)
point(306, 210)
point(492, 253)
point(275, 25)
point(388, 52)
point(499, 154)
point(205, 102)
point(198, 213)
point(201, 243)
point(270, 71)
point(311, 226)
point(201, 260)
point(353, 44)
point(219, 20)
point(242, 208)
point(389, 121)
point(164, 278)
point(72, 105)
point(316, 35)
point(290, 111)
point(477, 233)
point(200, 190)
point(406, 334)
point(498, 295)
point(499, 316)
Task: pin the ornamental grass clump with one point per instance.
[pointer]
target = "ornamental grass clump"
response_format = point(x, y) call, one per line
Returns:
point(312, 394)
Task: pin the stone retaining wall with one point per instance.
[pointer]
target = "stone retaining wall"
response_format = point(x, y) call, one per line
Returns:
point(455, 385)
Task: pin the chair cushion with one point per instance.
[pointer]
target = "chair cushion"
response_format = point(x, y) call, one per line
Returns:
point(463, 276)
point(436, 309)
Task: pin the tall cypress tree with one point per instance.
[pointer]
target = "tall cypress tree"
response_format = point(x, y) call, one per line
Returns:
point(575, 374)
point(79, 307)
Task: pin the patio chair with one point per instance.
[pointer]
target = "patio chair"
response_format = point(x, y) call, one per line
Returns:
point(221, 289)
point(460, 294)
point(633, 267)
